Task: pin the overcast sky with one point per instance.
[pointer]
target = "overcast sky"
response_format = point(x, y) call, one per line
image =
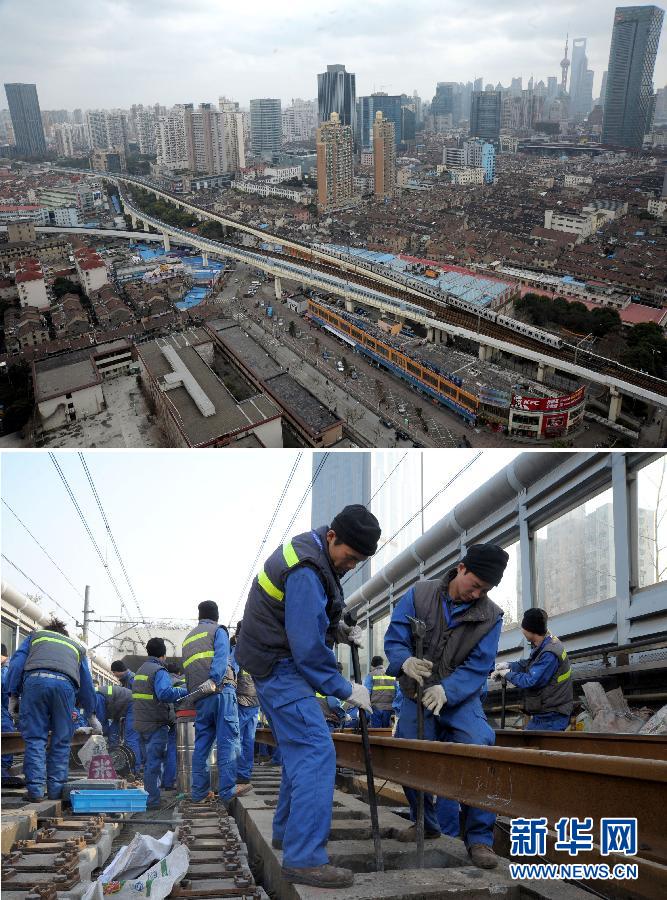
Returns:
point(188, 524)
point(110, 53)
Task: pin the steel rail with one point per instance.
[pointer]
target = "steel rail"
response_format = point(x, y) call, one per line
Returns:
point(519, 782)
point(12, 741)
point(637, 746)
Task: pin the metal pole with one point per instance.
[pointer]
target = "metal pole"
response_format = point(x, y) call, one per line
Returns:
point(86, 613)
point(418, 630)
point(422, 488)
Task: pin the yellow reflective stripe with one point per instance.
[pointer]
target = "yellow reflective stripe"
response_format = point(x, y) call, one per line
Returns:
point(58, 641)
point(563, 654)
point(383, 687)
point(564, 676)
point(141, 677)
point(194, 637)
point(290, 555)
point(109, 690)
point(205, 654)
point(320, 695)
point(142, 697)
point(267, 585)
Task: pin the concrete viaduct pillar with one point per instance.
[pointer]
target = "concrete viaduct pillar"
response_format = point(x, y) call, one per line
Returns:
point(134, 221)
point(485, 354)
point(542, 370)
point(279, 292)
point(204, 258)
point(166, 242)
point(349, 306)
point(615, 402)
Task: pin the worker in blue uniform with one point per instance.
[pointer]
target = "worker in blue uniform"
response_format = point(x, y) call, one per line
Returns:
point(126, 677)
point(7, 721)
point(49, 677)
point(153, 696)
point(546, 676)
point(113, 704)
point(462, 632)
point(382, 688)
point(207, 661)
point(292, 618)
point(170, 767)
point(248, 710)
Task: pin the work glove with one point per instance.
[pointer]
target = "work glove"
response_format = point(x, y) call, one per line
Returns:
point(13, 706)
point(500, 671)
point(95, 725)
point(419, 669)
point(360, 697)
point(434, 698)
point(349, 634)
point(208, 687)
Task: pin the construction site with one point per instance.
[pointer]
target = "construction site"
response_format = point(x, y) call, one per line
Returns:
point(579, 812)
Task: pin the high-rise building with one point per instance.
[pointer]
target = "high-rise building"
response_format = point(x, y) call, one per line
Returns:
point(384, 156)
point(172, 151)
point(634, 46)
point(234, 140)
point(299, 121)
point(603, 89)
point(26, 119)
point(389, 105)
point(6, 130)
point(485, 115)
point(107, 129)
point(145, 124)
point(335, 171)
point(581, 82)
point(266, 133)
point(205, 140)
point(64, 136)
point(337, 92)
point(478, 84)
point(446, 104)
point(344, 479)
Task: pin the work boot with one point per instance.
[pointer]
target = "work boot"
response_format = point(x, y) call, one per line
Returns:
point(205, 801)
point(409, 835)
point(482, 856)
point(320, 876)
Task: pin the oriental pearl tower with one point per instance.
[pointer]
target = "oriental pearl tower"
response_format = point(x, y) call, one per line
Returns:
point(564, 65)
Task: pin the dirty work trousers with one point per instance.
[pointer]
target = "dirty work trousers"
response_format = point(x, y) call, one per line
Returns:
point(302, 819)
point(462, 724)
point(47, 704)
point(216, 719)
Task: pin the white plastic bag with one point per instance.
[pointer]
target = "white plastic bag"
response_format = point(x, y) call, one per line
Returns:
point(156, 883)
point(133, 859)
point(96, 745)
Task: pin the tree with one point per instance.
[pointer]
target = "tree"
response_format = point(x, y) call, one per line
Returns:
point(291, 328)
point(212, 230)
point(604, 320)
point(65, 286)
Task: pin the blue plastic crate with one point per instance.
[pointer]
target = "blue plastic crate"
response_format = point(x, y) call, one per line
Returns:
point(122, 800)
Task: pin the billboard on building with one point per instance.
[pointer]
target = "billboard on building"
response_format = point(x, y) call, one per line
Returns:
point(548, 404)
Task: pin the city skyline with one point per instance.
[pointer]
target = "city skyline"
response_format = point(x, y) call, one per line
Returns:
point(266, 53)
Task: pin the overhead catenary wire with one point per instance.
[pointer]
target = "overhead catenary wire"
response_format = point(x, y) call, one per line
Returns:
point(416, 514)
point(303, 499)
point(265, 538)
point(46, 594)
point(90, 534)
point(42, 548)
point(386, 479)
point(111, 538)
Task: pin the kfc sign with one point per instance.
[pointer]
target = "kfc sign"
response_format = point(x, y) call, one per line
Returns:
point(547, 404)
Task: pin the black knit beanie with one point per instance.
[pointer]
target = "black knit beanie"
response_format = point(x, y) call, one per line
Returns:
point(535, 621)
point(358, 528)
point(208, 609)
point(487, 561)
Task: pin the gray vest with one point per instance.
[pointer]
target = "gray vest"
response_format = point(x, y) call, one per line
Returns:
point(117, 700)
point(198, 651)
point(384, 689)
point(55, 652)
point(149, 712)
point(558, 695)
point(245, 689)
point(447, 647)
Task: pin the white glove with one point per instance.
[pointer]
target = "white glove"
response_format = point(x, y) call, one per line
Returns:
point(419, 669)
point(208, 687)
point(360, 697)
point(13, 705)
point(500, 671)
point(95, 725)
point(434, 698)
point(349, 634)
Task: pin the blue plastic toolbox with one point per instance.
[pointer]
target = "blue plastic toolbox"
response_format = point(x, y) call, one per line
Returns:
point(121, 800)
